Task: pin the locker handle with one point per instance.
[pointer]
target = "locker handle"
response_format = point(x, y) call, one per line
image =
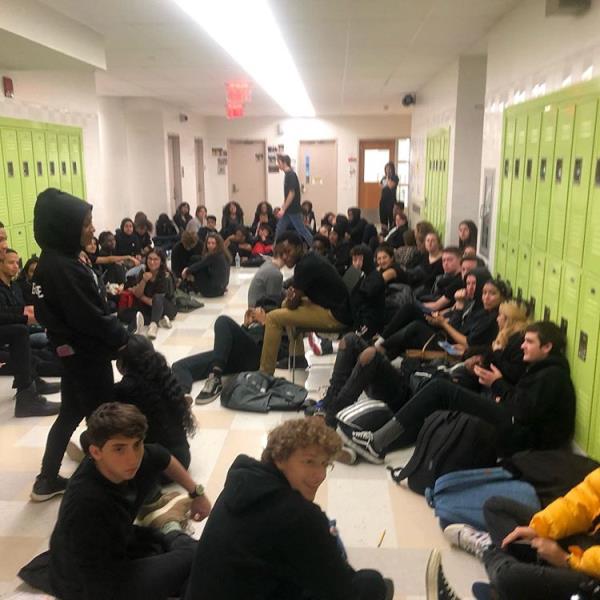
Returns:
point(40, 168)
point(554, 271)
point(10, 168)
point(593, 291)
point(577, 168)
point(572, 279)
point(597, 173)
point(564, 325)
point(559, 168)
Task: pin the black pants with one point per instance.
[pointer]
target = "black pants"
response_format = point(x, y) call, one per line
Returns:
point(17, 338)
point(235, 350)
point(413, 335)
point(405, 315)
point(161, 307)
point(87, 383)
point(516, 579)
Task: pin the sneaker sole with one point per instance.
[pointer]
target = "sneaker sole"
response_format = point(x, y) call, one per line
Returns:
point(43, 497)
point(432, 574)
point(149, 518)
point(347, 456)
point(359, 449)
point(162, 501)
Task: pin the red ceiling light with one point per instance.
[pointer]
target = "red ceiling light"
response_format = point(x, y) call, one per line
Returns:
point(238, 93)
point(235, 111)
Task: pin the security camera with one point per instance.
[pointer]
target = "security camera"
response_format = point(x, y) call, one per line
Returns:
point(409, 99)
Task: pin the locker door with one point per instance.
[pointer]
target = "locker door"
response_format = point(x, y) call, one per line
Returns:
point(435, 198)
point(561, 176)
point(32, 247)
point(17, 239)
point(27, 172)
point(591, 252)
point(581, 161)
point(569, 305)
point(76, 174)
point(516, 194)
point(501, 255)
point(532, 150)
point(12, 175)
point(64, 157)
point(41, 160)
point(512, 259)
point(584, 367)
point(536, 283)
point(544, 185)
point(428, 170)
point(507, 175)
point(52, 155)
point(551, 289)
point(444, 183)
point(523, 269)
point(3, 197)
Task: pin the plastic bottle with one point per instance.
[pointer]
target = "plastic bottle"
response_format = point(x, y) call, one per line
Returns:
point(237, 260)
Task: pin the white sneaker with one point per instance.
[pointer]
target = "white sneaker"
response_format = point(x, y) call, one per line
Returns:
point(152, 330)
point(468, 538)
point(139, 323)
point(165, 322)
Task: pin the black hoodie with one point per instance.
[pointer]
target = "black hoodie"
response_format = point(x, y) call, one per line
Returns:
point(68, 297)
point(263, 540)
point(367, 298)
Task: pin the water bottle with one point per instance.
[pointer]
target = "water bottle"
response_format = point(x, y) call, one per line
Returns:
point(237, 260)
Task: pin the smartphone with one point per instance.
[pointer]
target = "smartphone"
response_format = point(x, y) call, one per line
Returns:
point(449, 348)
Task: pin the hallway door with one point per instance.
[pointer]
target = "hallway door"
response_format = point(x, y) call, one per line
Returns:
point(372, 158)
point(317, 172)
point(247, 175)
point(199, 159)
point(174, 157)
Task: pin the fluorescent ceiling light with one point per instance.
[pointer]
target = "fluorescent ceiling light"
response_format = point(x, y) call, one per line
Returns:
point(247, 31)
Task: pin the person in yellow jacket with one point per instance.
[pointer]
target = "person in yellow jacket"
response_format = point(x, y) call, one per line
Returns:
point(555, 557)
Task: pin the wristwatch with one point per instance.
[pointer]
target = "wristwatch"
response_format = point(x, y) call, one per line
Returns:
point(197, 491)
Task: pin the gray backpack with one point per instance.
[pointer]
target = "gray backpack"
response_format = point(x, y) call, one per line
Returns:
point(253, 391)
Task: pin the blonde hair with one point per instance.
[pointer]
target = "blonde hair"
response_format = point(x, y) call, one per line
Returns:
point(294, 434)
point(516, 322)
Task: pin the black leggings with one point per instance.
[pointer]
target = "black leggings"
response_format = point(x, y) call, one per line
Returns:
point(161, 307)
point(235, 350)
point(511, 575)
point(87, 382)
point(413, 335)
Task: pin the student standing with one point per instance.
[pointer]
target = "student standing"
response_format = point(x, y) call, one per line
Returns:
point(69, 302)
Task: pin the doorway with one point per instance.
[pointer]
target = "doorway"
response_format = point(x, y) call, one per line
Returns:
point(174, 157)
point(199, 160)
point(317, 171)
point(247, 175)
point(373, 155)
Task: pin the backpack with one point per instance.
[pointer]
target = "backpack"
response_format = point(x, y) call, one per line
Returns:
point(448, 441)
point(459, 497)
point(364, 415)
point(185, 303)
point(253, 391)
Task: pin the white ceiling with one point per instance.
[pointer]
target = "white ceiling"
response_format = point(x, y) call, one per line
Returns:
point(355, 56)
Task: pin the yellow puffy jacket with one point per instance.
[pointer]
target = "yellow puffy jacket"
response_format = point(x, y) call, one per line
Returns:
point(576, 512)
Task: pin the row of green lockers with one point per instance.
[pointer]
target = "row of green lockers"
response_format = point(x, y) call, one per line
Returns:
point(436, 179)
point(35, 156)
point(548, 229)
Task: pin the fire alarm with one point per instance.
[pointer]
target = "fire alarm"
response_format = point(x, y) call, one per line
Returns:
point(7, 85)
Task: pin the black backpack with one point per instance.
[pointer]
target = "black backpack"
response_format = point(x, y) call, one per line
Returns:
point(448, 441)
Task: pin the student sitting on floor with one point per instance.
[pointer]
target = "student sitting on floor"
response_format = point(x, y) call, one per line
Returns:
point(96, 552)
point(263, 242)
point(127, 242)
point(267, 284)
point(149, 384)
point(112, 266)
point(339, 249)
point(238, 243)
point(267, 539)
point(155, 294)
point(210, 275)
point(143, 230)
point(188, 250)
point(24, 280)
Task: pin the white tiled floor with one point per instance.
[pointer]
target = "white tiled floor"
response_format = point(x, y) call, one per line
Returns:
point(362, 498)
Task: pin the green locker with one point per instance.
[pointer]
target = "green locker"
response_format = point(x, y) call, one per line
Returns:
point(501, 255)
point(516, 194)
point(584, 366)
point(3, 197)
point(427, 191)
point(581, 162)
point(569, 305)
point(12, 176)
point(17, 239)
point(76, 174)
point(544, 185)
point(28, 184)
point(32, 247)
point(551, 289)
point(523, 270)
point(561, 178)
point(507, 176)
point(41, 160)
point(443, 184)
point(591, 252)
point(532, 149)
point(64, 157)
point(536, 283)
point(512, 259)
point(52, 155)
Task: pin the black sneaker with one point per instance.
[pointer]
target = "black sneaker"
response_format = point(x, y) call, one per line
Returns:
point(30, 404)
point(301, 363)
point(436, 584)
point(45, 387)
point(212, 388)
point(45, 488)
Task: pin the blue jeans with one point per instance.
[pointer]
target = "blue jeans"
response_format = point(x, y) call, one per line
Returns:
point(293, 221)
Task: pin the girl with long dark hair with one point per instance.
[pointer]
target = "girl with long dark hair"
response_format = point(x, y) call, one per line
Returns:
point(210, 275)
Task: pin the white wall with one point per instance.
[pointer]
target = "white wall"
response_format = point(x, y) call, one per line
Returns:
point(346, 130)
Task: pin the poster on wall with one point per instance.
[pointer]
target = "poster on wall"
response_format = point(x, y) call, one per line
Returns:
point(486, 212)
point(221, 165)
point(272, 152)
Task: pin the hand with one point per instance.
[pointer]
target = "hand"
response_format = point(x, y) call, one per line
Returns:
point(133, 260)
point(200, 508)
point(29, 313)
point(260, 316)
point(487, 376)
point(472, 362)
point(519, 533)
point(550, 551)
point(436, 319)
point(184, 273)
point(147, 276)
point(460, 294)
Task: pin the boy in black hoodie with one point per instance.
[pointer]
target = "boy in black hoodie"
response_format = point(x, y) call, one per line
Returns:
point(69, 302)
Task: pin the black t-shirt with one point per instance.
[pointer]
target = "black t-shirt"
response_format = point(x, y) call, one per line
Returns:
point(322, 284)
point(291, 183)
point(446, 285)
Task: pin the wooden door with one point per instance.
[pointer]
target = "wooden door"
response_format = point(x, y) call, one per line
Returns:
point(247, 175)
point(317, 172)
point(373, 155)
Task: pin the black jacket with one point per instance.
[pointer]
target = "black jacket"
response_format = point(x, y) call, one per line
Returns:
point(367, 298)
point(211, 275)
point(127, 245)
point(180, 257)
point(68, 298)
point(11, 305)
point(264, 541)
point(542, 404)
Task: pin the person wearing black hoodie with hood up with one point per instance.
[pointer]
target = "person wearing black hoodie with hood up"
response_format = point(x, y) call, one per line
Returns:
point(356, 226)
point(70, 303)
point(266, 539)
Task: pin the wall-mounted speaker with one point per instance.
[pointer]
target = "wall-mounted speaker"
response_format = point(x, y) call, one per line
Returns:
point(567, 7)
point(409, 99)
